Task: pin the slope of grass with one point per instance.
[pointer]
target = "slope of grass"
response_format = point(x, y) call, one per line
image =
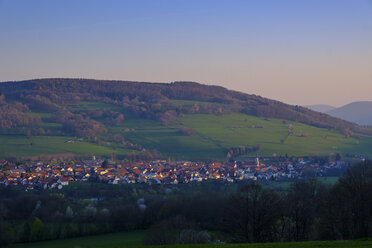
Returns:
point(284, 185)
point(102, 241)
point(191, 102)
point(37, 145)
point(172, 143)
point(272, 134)
point(214, 135)
point(314, 244)
point(89, 105)
point(134, 239)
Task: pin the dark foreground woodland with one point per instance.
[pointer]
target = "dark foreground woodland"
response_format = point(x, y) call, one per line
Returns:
point(194, 213)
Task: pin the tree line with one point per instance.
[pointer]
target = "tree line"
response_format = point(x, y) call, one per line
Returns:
point(16, 115)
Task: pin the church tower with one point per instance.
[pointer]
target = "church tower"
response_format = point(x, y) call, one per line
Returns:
point(257, 161)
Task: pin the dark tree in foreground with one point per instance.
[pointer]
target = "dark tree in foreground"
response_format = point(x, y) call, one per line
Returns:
point(301, 206)
point(348, 214)
point(251, 215)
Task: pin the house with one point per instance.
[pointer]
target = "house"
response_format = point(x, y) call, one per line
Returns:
point(64, 180)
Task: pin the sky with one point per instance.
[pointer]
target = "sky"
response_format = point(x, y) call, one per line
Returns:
point(297, 51)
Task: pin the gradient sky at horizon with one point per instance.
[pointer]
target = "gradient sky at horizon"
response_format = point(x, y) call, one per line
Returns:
point(298, 52)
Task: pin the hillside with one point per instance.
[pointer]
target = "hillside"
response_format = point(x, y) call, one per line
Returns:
point(182, 120)
point(358, 112)
point(134, 239)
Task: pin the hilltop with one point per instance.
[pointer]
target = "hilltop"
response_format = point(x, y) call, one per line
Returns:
point(181, 120)
point(358, 112)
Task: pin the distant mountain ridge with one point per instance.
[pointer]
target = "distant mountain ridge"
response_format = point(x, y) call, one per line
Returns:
point(358, 112)
point(322, 108)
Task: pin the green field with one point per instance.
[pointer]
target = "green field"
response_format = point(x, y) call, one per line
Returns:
point(214, 135)
point(41, 145)
point(284, 185)
point(134, 239)
point(104, 241)
point(239, 130)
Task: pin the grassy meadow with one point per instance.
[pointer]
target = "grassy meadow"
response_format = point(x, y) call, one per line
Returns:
point(214, 135)
point(42, 145)
point(134, 239)
point(272, 134)
point(103, 241)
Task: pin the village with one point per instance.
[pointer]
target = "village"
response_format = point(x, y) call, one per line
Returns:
point(52, 174)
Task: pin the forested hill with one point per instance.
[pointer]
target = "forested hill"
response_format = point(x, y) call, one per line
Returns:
point(161, 101)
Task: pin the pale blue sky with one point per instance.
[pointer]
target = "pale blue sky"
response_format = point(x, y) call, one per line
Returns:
point(299, 52)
